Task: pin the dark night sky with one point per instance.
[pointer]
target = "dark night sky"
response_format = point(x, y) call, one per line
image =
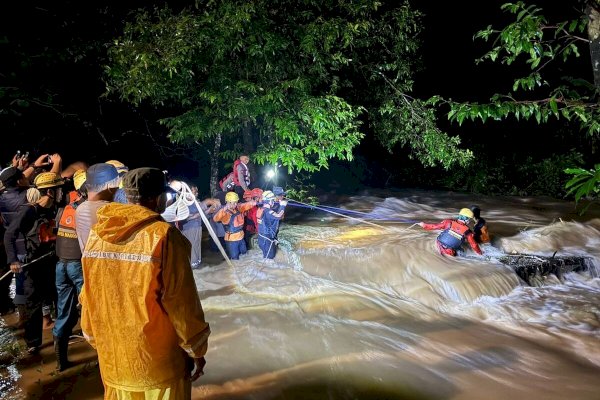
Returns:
point(448, 53)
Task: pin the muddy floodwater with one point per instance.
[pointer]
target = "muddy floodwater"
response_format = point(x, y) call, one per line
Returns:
point(350, 310)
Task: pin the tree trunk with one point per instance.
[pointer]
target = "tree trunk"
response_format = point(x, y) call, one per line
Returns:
point(247, 136)
point(593, 14)
point(214, 166)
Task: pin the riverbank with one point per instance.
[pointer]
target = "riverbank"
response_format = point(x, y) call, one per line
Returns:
point(39, 379)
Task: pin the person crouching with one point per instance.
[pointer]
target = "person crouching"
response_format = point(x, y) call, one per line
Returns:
point(454, 234)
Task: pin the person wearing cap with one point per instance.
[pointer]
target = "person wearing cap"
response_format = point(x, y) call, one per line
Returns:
point(12, 197)
point(35, 223)
point(69, 276)
point(102, 181)
point(231, 215)
point(122, 169)
point(279, 195)
point(140, 305)
point(268, 224)
point(455, 233)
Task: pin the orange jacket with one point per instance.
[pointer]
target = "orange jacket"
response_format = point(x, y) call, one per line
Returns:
point(140, 305)
point(224, 216)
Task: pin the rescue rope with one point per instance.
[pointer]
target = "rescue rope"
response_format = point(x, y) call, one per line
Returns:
point(346, 216)
point(27, 264)
point(186, 192)
point(352, 212)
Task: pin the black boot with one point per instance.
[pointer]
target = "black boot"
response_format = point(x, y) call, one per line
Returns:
point(61, 345)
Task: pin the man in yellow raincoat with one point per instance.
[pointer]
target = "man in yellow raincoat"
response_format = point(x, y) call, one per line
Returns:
point(140, 306)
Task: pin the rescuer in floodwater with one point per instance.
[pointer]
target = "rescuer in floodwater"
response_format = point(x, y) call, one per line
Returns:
point(454, 234)
point(480, 230)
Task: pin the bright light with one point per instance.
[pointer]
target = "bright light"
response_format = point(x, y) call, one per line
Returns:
point(270, 174)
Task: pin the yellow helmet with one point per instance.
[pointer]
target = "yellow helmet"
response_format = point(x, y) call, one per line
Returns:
point(48, 180)
point(121, 168)
point(268, 195)
point(466, 213)
point(231, 197)
point(79, 179)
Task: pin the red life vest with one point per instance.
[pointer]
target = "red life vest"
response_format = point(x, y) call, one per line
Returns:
point(252, 220)
point(236, 178)
point(454, 236)
point(227, 183)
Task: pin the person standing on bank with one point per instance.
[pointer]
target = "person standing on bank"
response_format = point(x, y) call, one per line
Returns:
point(69, 277)
point(140, 305)
point(35, 222)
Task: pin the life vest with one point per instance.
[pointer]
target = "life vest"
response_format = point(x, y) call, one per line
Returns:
point(454, 237)
point(67, 244)
point(251, 220)
point(480, 232)
point(259, 215)
point(227, 183)
point(236, 222)
point(41, 237)
point(246, 172)
point(268, 226)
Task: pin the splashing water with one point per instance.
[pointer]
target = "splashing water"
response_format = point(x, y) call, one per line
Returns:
point(352, 311)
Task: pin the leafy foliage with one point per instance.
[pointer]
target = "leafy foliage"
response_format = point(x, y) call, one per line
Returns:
point(305, 76)
point(541, 45)
point(512, 175)
point(585, 182)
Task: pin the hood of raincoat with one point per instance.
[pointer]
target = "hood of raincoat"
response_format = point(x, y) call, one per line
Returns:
point(117, 222)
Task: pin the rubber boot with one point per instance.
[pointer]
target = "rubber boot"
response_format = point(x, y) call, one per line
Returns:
point(61, 346)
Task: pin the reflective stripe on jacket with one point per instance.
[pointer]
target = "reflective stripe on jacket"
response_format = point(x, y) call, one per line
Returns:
point(140, 305)
point(67, 244)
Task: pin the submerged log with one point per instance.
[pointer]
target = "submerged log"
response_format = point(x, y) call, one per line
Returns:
point(533, 267)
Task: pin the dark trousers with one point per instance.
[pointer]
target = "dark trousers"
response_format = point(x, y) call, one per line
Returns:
point(32, 284)
point(69, 281)
point(268, 246)
point(235, 248)
point(213, 245)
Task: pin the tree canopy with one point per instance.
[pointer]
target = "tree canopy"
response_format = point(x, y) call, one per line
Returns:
point(308, 78)
point(546, 93)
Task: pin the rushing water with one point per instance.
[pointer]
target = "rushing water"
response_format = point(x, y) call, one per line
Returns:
point(350, 310)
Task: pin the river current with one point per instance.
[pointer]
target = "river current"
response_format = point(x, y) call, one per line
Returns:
point(351, 310)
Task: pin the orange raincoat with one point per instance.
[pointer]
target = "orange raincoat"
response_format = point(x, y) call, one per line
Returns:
point(140, 305)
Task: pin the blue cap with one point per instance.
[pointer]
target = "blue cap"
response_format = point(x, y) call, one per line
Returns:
point(278, 191)
point(101, 173)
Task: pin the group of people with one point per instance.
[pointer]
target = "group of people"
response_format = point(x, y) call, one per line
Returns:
point(95, 242)
point(118, 265)
point(236, 213)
